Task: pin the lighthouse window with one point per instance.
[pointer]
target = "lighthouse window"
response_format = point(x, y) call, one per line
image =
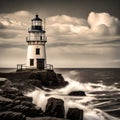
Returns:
point(37, 51)
point(40, 37)
point(36, 23)
point(31, 62)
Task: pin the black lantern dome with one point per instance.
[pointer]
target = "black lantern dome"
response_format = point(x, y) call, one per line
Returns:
point(36, 18)
point(36, 23)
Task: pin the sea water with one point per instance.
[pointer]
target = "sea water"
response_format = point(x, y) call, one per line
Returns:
point(102, 88)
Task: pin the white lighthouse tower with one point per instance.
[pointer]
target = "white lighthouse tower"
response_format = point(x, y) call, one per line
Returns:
point(36, 40)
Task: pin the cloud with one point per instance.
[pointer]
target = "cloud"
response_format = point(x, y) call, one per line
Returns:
point(8, 23)
point(104, 23)
point(97, 25)
point(91, 42)
point(13, 28)
point(66, 25)
point(64, 19)
point(14, 24)
point(99, 28)
point(72, 41)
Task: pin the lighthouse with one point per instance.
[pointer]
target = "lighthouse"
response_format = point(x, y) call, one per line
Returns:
point(36, 40)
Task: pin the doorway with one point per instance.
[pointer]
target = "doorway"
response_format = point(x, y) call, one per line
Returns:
point(40, 64)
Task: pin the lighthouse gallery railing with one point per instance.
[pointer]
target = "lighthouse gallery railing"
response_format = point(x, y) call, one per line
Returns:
point(24, 67)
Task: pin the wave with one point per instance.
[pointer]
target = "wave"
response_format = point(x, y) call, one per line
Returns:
point(87, 103)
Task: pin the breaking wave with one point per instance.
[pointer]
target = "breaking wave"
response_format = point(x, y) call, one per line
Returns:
point(87, 103)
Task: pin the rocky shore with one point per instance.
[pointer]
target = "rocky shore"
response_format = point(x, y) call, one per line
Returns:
point(15, 106)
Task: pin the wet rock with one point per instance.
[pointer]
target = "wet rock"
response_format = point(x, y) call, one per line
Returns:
point(75, 114)
point(77, 93)
point(4, 102)
point(55, 108)
point(28, 111)
point(27, 103)
point(12, 99)
point(45, 118)
point(3, 81)
point(12, 116)
point(47, 78)
point(10, 92)
point(25, 81)
point(35, 82)
point(25, 107)
point(11, 95)
point(24, 98)
point(61, 80)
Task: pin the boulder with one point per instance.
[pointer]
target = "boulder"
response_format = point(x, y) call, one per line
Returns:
point(12, 116)
point(27, 103)
point(3, 81)
point(24, 107)
point(61, 80)
point(75, 114)
point(24, 98)
point(35, 82)
point(49, 78)
point(24, 103)
point(34, 78)
point(4, 103)
point(28, 111)
point(77, 93)
point(55, 108)
point(11, 92)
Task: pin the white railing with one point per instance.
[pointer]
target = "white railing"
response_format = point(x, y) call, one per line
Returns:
point(25, 67)
point(21, 66)
point(49, 67)
point(36, 38)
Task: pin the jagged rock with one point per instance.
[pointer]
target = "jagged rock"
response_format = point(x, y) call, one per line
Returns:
point(75, 114)
point(11, 90)
point(4, 102)
point(12, 99)
point(11, 96)
point(61, 80)
point(45, 118)
point(3, 81)
point(11, 93)
point(77, 93)
point(27, 103)
point(23, 103)
point(35, 82)
point(12, 116)
point(25, 107)
point(28, 111)
point(47, 78)
point(24, 98)
point(55, 108)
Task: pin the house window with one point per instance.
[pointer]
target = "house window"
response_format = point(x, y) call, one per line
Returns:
point(31, 62)
point(37, 51)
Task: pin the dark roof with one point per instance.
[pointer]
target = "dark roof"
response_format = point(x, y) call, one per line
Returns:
point(36, 18)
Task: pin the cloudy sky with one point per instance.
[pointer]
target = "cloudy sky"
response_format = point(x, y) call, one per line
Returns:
point(81, 33)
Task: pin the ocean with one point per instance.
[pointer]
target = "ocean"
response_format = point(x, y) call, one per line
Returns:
point(102, 88)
